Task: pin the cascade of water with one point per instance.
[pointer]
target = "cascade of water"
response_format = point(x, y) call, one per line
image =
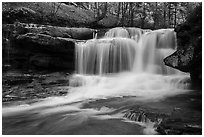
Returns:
point(95, 34)
point(117, 32)
point(109, 55)
point(134, 33)
point(145, 60)
point(140, 65)
point(116, 52)
point(154, 47)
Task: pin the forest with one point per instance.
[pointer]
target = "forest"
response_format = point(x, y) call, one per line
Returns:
point(141, 14)
point(152, 15)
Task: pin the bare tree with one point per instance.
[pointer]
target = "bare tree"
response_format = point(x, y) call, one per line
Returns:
point(55, 7)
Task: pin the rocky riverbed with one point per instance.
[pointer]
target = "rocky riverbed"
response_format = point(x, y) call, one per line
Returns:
point(180, 114)
point(18, 86)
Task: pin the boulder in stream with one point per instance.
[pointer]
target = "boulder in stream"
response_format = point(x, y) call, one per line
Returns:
point(188, 57)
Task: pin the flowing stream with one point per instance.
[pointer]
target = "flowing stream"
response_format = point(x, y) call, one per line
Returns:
point(123, 67)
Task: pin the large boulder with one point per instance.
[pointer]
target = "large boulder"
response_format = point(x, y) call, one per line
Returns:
point(41, 46)
point(44, 42)
point(188, 57)
point(54, 31)
point(75, 33)
point(43, 51)
point(181, 59)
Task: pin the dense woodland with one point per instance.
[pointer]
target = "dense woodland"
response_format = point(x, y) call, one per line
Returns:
point(152, 15)
point(141, 14)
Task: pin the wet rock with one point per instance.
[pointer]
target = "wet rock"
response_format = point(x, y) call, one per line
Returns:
point(181, 59)
point(74, 33)
point(188, 57)
point(12, 79)
point(139, 114)
point(39, 86)
point(54, 31)
point(182, 120)
point(46, 42)
point(178, 127)
point(176, 121)
point(43, 52)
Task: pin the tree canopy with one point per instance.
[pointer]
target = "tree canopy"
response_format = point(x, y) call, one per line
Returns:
point(152, 15)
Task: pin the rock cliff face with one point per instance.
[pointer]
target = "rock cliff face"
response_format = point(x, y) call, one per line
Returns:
point(54, 31)
point(188, 57)
point(44, 47)
point(44, 51)
point(39, 51)
point(33, 46)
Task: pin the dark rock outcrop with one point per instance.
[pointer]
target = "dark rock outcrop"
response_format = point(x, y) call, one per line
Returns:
point(175, 120)
point(37, 46)
point(49, 43)
point(178, 127)
point(54, 31)
point(188, 57)
point(181, 59)
point(18, 86)
point(41, 51)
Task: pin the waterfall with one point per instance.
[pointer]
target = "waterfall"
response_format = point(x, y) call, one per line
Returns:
point(133, 33)
point(126, 62)
point(117, 32)
point(108, 55)
point(116, 67)
point(154, 47)
point(130, 49)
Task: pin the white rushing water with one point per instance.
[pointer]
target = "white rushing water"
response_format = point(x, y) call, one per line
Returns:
point(126, 62)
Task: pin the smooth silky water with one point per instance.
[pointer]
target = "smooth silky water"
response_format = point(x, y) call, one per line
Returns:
point(112, 73)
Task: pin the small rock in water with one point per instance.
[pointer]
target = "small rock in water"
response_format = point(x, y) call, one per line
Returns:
point(141, 115)
point(11, 96)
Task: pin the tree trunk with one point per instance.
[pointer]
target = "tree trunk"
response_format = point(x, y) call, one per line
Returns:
point(132, 14)
point(164, 23)
point(96, 10)
point(122, 19)
point(125, 16)
point(155, 16)
point(143, 16)
point(118, 14)
point(169, 7)
point(103, 14)
point(175, 12)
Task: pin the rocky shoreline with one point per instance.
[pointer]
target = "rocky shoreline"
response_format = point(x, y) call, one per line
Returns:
point(19, 86)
